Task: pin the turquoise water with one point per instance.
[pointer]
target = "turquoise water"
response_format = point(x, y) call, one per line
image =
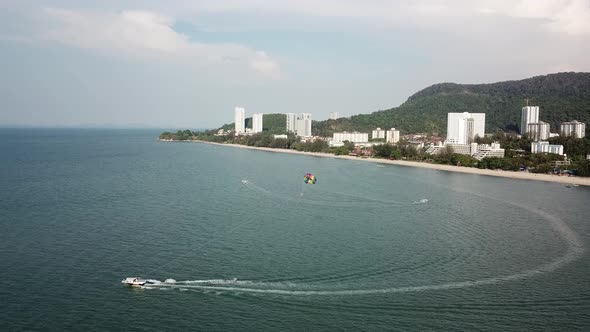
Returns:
point(250, 247)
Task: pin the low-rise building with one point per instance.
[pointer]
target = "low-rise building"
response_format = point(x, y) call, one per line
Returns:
point(545, 147)
point(487, 150)
point(354, 137)
point(222, 132)
point(477, 151)
point(461, 148)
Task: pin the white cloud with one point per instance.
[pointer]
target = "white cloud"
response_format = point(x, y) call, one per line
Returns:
point(565, 16)
point(146, 34)
point(264, 64)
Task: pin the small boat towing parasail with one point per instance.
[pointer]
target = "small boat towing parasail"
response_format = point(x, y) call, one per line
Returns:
point(134, 282)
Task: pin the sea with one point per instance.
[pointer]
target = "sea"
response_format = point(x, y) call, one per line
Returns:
point(232, 239)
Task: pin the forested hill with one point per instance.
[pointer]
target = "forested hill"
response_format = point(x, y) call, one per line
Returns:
point(561, 97)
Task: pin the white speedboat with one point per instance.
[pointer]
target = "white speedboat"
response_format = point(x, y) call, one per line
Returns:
point(134, 282)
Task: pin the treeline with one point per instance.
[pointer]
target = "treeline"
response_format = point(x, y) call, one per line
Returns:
point(180, 135)
point(518, 155)
point(515, 160)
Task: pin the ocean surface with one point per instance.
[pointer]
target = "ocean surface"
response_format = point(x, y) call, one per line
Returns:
point(232, 239)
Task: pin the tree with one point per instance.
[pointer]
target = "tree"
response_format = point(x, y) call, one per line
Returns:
point(348, 145)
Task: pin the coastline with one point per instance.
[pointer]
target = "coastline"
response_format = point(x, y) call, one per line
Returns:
point(582, 181)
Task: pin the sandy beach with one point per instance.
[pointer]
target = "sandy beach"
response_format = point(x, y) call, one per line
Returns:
point(583, 181)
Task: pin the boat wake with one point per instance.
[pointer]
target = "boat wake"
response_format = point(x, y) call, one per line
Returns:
point(339, 199)
point(575, 250)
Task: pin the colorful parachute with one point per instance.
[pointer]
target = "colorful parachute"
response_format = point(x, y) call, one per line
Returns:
point(310, 178)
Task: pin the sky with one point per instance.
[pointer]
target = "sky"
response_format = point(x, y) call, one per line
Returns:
point(187, 64)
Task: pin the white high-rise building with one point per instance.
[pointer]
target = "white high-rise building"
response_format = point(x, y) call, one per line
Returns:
point(538, 147)
point(538, 131)
point(303, 125)
point(392, 136)
point(462, 128)
point(291, 121)
point(334, 115)
point(530, 114)
point(378, 133)
point(299, 123)
point(573, 128)
point(240, 120)
point(257, 122)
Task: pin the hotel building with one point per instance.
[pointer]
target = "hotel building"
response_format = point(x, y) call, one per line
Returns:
point(392, 135)
point(539, 147)
point(462, 128)
point(257, 122)
point(530, 114)
point(303, 125)
point(240, 120)
point(354, 137)
point(299, 123)
point(573, 128)
point(378, 133)
point(538, 131)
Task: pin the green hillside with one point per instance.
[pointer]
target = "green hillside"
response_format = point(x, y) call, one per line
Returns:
point(561, 97)
point(275, 122)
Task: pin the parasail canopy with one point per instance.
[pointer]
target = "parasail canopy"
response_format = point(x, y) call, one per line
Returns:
point(310, 178)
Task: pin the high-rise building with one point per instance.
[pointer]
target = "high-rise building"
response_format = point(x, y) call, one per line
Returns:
point(240, 120)
point(334, 115)
point(378, 133)
point(257, 122)
point(392, 136)
point(573, 128)
point(303, 125)
point(462, 128)
point(538, 131)
point(299, 123)
point(530, 114)
point(291, 121)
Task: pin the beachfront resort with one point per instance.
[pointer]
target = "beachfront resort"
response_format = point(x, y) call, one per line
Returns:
point(531, 149)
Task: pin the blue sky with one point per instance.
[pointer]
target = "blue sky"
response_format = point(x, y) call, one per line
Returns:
point(171, 64)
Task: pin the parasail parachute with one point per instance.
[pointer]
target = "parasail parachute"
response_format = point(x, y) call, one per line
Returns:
point(310, 178)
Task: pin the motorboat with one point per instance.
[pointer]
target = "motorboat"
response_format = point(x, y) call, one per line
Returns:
point(134, 282)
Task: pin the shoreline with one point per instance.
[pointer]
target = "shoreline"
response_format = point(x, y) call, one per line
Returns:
point(582, 181)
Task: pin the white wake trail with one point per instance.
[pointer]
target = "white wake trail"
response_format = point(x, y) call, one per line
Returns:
point(575, 249)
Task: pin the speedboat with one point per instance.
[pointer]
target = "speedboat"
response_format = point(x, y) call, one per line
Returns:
point(134, 282)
